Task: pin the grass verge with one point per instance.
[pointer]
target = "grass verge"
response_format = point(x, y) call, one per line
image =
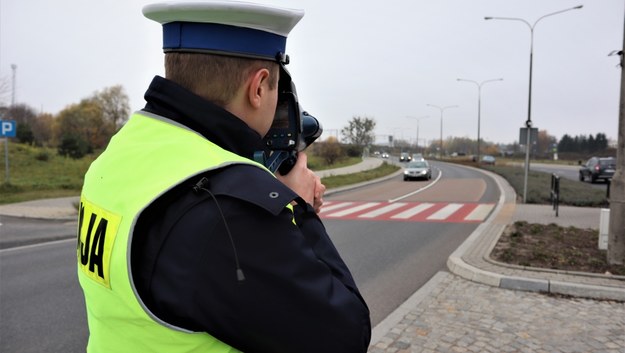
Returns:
point(36, 173)
point(317, 163)
point(572, 192)
point(348, 179)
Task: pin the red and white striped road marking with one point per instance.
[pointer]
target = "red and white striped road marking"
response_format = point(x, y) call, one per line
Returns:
point(407, 211)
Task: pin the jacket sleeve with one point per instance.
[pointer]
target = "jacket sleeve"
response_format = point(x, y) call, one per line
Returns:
point(297, 295)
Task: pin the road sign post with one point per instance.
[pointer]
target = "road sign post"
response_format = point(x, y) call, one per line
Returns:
point(530, 135)
point(8, 128)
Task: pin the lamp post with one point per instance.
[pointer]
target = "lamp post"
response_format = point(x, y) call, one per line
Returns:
point(442, 109)
point(479, 109)
point(528, 122)
point(417, 119)
point(14, 69)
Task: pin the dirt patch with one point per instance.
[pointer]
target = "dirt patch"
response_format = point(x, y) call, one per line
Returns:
point(553, 247)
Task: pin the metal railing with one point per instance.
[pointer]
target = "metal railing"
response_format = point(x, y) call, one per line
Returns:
point(555, 192)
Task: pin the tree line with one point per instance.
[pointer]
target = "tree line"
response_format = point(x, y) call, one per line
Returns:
point(79, 128)
point(360, 132)
point(583, 144)
point(87, 126)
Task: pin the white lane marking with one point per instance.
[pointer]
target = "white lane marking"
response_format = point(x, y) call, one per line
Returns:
point(382, 210)
point(440, 174)
point(353, 209)
point(335, 206)
point(479, 213)
point(446, 211)
point(45, 243)
point(413, 211)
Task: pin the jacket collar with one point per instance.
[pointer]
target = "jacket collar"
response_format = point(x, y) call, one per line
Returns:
point(168, 99)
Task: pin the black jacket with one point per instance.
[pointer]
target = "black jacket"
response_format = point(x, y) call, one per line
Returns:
point(297, 294)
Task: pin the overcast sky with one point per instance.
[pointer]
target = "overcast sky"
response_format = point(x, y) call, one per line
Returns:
point(385, 60)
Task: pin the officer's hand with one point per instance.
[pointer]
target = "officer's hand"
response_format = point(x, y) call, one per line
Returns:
point(303, 181)
point(320, 189)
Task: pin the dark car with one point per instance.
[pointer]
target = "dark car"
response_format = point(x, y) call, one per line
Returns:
point(598, 168)
point(418, 170)
point(404, 157)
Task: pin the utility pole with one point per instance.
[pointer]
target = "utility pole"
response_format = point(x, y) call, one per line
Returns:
point(616, 230)
point(14, 68)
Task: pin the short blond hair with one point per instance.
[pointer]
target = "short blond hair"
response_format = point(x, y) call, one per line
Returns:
point(216, 78)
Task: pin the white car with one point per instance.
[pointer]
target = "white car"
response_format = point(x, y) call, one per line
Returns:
point(417, 170)
point(417, 157)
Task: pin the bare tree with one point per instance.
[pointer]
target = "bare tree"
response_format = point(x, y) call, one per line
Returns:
point(42, 129)
point(114, 104)
point(84, 122)
point(359, 131)
point(330, 150)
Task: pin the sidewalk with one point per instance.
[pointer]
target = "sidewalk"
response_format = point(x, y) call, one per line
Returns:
point(471, 308)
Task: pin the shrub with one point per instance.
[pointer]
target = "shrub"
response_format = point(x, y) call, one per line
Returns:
point(42, 156)
point(73, 147)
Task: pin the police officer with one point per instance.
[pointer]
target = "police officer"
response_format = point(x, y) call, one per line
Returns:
point(185, 243)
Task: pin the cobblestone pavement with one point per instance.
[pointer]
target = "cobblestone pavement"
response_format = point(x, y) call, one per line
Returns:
point(458, 315)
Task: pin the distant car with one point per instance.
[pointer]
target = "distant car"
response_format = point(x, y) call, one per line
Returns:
point(418, 170)
point(404, 157)
point(417, 157)
point(488, 159)
point(598, 168)
point(384, 155)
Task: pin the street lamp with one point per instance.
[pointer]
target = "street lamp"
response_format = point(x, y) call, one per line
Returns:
point(442, 109)
point(479, 104)
point(417, 119)
point(528, 122)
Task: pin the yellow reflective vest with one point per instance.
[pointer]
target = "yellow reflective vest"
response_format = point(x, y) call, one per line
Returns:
point(145, 159)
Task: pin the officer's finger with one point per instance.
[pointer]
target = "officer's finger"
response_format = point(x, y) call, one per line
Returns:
point(302, 160)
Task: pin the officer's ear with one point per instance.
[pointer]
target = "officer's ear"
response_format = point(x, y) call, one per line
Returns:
point(259, 87)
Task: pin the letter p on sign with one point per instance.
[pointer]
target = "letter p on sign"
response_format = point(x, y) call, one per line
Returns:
point(7, 128)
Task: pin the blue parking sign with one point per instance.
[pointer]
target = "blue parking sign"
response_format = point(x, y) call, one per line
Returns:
point(8, 128)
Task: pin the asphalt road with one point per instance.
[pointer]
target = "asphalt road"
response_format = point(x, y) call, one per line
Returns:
point(24, 231)
point(42, 308)
point(391, 260)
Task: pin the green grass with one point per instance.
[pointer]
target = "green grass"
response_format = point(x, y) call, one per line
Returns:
point(36, 173)
point(348, 179)
point(317, 163)
point(572, 192)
